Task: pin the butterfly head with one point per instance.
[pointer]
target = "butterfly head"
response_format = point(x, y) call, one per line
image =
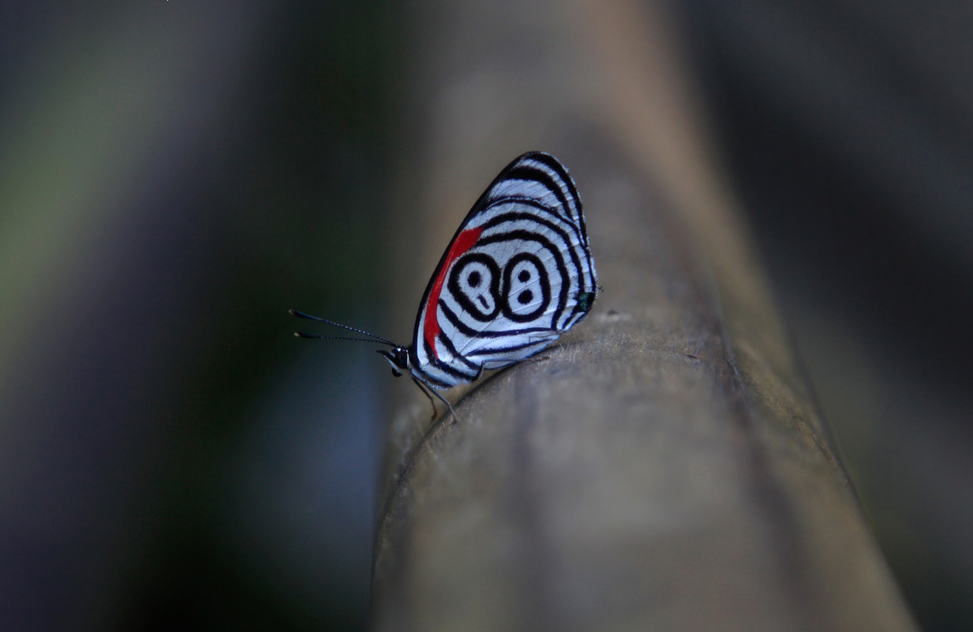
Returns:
point(398, 357)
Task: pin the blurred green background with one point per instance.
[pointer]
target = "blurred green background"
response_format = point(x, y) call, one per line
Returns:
point(174, 176)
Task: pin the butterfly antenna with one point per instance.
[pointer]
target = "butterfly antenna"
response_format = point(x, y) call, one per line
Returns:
point(374, 338)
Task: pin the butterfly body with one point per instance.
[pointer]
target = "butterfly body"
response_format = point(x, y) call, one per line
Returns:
point(517, 274)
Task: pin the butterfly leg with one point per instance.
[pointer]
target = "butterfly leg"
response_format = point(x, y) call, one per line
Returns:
point(427, 390)
point(484, 367)
point(448, 405)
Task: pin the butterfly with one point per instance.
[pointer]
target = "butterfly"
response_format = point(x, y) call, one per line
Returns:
point(517, 274)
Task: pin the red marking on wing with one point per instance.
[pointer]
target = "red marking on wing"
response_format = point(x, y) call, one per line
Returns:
point(463, 242)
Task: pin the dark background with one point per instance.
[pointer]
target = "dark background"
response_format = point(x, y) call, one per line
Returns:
point(848, 130)
point(174, 176)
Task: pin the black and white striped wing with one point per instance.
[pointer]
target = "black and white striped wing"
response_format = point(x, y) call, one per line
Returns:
point(517, 275)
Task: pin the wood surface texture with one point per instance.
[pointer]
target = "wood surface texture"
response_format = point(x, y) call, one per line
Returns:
point(663, 467)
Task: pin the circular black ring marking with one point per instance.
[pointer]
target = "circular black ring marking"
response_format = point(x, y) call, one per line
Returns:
point(467, 274)
point(544, 242)
point(511, 299)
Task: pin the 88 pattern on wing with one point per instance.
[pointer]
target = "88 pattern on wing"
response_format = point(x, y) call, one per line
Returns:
point(517, 275)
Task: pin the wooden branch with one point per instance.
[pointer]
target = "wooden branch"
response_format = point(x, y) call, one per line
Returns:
point(663, 467)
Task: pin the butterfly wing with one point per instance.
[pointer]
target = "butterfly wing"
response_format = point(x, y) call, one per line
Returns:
point(517, 274)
